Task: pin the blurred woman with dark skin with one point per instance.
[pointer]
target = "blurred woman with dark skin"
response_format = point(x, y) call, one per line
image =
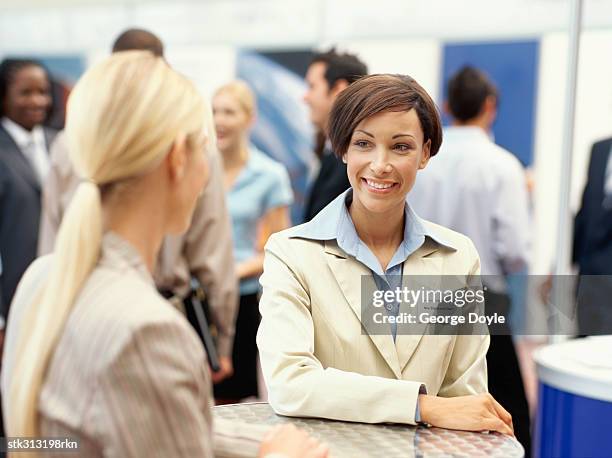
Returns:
point(25, 101)
point(258, 195)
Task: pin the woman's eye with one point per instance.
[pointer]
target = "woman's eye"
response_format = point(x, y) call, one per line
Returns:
point(402, 148)
point(361, 144)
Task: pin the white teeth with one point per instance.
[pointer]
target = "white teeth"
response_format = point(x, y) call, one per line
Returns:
point(376, 185)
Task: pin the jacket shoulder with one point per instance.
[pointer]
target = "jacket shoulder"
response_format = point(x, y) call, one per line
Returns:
point(604, 144)
point(289, 239)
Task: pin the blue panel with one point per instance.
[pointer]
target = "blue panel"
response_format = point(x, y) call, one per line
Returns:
point(66, 68)
point(283, 129)
point(513, 68)
point(568, 425)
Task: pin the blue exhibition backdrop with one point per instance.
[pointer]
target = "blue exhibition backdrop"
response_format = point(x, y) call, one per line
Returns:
point(283, 130)
point(513, 66)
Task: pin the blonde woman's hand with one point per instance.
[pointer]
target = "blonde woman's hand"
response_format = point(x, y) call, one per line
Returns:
point(469, 413)
point(226, 369)
point(291, 442)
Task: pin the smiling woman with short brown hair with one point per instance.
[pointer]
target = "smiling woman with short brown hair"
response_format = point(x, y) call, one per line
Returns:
point(317, 359)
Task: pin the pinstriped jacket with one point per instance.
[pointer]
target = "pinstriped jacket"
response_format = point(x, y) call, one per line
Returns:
point(128, 376)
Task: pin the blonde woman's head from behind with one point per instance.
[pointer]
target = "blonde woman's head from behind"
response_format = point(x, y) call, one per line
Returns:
point(134, 122)
point(137, 131)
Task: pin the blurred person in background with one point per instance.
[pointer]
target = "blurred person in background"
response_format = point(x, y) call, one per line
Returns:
point(479, 189)
point(258, 196)
point(592, 250)
point(94, 352)
point(204, 251)
point(328, 75)
point(25, 102)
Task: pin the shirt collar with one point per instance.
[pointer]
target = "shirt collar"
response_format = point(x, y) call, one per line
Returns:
point(21, 136)
point(334, 223)
point(118, 254)
point(466, 133)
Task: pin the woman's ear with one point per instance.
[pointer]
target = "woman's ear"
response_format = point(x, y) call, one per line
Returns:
point(252, 120)
point(426, 154)
point(344, 158)
point(177, 158)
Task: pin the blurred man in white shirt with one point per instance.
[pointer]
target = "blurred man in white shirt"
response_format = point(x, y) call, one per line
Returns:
point(480, 190)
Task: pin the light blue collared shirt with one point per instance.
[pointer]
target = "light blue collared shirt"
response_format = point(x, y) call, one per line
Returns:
point(263, 184)
point(334, 222)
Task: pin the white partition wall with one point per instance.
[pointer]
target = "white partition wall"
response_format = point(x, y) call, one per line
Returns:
point(417, 58)
point(404, 36)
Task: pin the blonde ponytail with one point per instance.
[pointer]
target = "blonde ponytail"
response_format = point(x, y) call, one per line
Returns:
point(78, 241)
point(123, 116)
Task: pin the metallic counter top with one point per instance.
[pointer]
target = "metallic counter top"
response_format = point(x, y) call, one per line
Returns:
point(353, 440)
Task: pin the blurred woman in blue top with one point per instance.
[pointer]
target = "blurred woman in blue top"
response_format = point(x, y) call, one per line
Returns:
point(258, 196)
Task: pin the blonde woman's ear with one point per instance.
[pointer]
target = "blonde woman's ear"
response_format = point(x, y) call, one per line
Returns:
point(177, 157)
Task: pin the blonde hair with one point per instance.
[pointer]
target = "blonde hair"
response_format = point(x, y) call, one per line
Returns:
point(124, 115)
point(243, 94)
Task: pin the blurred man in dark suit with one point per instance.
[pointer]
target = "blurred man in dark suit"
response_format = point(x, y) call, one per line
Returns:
point(593, 244)
point(329, 74)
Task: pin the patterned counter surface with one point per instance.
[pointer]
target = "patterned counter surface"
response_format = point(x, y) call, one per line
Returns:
point(353, 440)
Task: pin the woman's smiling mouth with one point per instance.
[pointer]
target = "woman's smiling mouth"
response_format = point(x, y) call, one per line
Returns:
point(378, 186)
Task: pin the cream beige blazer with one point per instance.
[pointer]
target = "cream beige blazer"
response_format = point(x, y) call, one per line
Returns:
point(317, 362)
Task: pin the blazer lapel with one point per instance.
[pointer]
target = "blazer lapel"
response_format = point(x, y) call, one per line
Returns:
point(421, 269)
point(16, 157)
point(50, 135)
point(348, 274)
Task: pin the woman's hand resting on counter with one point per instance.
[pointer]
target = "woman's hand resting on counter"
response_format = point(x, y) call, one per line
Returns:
point(287, 441)
point(469, 413)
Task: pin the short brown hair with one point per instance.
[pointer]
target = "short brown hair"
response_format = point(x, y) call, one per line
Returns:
point(139, 39)
point(468, 90)
point(340, 66)
point(376, 94)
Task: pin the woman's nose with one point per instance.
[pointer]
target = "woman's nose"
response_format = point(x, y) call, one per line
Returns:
point(380, 163)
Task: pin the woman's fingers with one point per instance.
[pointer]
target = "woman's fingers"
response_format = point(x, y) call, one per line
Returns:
point(321, 451)
point(494, 423)
point(288, 440)
point(502, 413)
point(271, 433)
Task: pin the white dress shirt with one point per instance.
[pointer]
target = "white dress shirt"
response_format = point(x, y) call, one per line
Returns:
point(32, 145)
point(475, 187)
